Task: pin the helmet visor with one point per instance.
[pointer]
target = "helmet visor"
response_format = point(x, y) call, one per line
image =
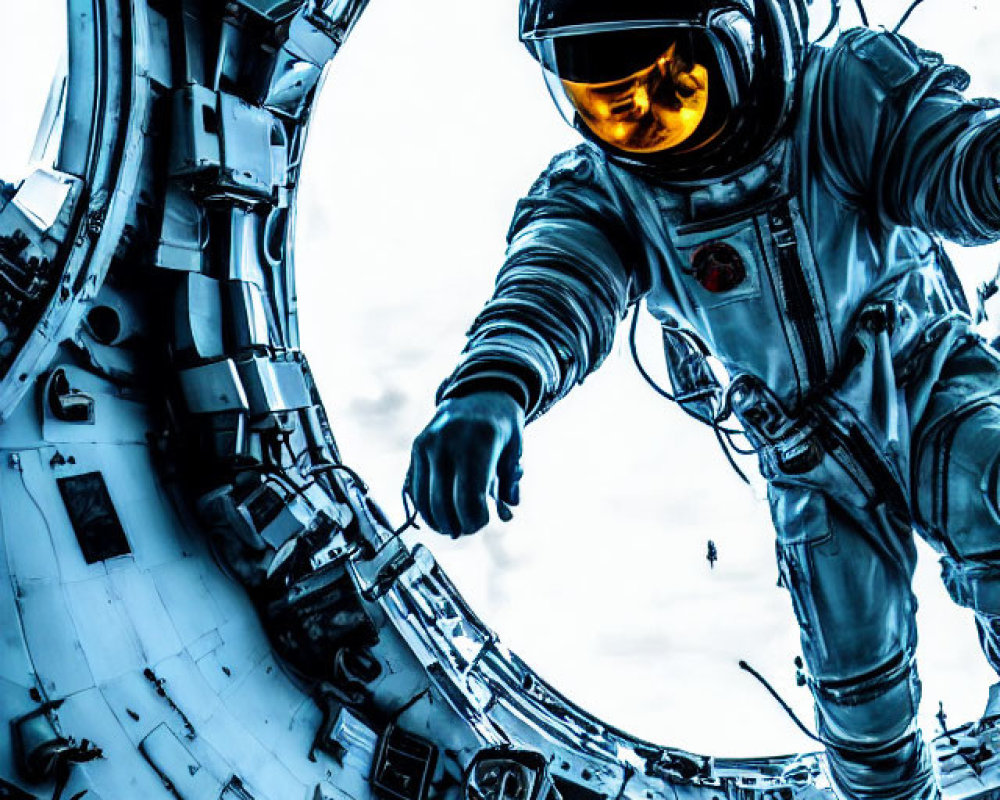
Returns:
point(657, 107)
point(644, 91)
point(683, 86)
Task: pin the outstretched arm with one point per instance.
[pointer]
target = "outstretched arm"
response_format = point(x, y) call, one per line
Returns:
point(907, 143)
point(569, 275)
point(568, 278)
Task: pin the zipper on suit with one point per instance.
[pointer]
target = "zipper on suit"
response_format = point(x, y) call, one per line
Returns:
point(798, 300)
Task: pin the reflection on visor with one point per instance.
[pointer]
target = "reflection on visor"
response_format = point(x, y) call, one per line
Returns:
point(654, 109)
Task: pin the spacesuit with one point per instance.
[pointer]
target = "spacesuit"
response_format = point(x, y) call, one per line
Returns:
point(778, 205)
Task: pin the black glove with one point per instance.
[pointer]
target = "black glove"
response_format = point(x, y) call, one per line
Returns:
point(468, 453)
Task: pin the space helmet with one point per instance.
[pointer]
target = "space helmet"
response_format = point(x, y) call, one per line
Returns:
point(690, 89)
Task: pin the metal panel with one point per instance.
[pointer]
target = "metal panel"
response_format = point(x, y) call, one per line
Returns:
point(187, 599)
point(29, 546)
point(229, 597)
point(198, 318)
point(264, 774)
point(14, 663)
point(174, 762)
point(213, 388)
point(245, 233)
point(183, 232)
point(195, 20)
point(273, 385)
point(103, 138)
point(267, 702)
point(80, 785)
point(307, 41)
point(53, 643)
point(273, 515)
point(205, 645)
point(157, 534)
point(181, 689)
point(292, 84)
point(195, 146)
point(103, 630)
point(43, 196)
point(246, 146)
point(135, 594)
point(248, 315)
point(242, 646)
point(136, 706)
point(159, 52)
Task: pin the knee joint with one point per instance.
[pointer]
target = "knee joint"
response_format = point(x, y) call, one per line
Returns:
point(871, 711)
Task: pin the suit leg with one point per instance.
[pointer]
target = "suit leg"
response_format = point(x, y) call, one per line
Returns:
point(856, 614)
point(957, 485)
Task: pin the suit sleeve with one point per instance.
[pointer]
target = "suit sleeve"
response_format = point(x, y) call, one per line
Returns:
point(570, 272)
point(904, 140)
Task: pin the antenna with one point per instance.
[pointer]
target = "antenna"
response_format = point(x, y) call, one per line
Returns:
point(903, 20)
point(861, 10)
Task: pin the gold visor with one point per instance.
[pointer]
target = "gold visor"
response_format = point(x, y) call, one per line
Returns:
point(652, 110)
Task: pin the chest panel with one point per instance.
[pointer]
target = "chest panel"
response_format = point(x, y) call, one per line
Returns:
point(750, 287)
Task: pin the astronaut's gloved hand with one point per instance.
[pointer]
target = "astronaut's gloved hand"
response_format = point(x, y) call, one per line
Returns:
point(469, 452)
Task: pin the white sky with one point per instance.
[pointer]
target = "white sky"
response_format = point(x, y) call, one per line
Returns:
point(433, 122)
point(31, 44)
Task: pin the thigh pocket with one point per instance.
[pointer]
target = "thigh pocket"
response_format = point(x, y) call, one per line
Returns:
point(802, 523)
point(849, 582)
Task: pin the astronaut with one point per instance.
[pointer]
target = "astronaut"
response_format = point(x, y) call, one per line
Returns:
point(779, 205)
